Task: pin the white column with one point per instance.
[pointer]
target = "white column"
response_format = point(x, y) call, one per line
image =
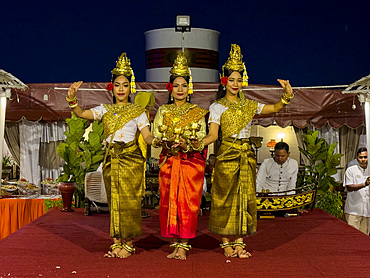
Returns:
point(4, 94)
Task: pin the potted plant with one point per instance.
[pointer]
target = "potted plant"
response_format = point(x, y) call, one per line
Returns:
point(323, 164)
point(6, 166)
point(80, 156)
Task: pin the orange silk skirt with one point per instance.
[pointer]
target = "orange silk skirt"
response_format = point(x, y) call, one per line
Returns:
point(181, 181)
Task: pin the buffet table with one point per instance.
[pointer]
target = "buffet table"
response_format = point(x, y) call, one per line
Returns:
point(16, 213)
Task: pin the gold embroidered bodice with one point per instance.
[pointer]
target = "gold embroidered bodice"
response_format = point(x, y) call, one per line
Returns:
point(118, 115)
point(173, 116)
point(237, 116)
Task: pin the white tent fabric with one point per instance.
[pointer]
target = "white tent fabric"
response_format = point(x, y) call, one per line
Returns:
point(31, 135)
point(53, 132)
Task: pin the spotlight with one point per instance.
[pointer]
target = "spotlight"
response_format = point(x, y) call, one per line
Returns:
point(183, 23)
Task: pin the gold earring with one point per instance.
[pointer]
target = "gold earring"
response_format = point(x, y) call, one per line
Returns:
point(171, 97)
point(188, 98)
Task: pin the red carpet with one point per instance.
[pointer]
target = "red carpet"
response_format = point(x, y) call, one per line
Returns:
point(72, 245)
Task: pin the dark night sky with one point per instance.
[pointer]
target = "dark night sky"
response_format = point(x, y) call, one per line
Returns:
point(308, 42)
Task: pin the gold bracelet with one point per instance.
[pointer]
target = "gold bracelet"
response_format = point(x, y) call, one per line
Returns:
point(284, 101)
point(71, 100)
point(200, 148)
point(285, 95)
point(188, 148)
point(154, 143)
point(72, 104)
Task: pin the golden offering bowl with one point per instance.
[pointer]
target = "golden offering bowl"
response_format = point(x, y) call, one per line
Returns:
point(163, 129)
point(193, 127)
point(177, 131)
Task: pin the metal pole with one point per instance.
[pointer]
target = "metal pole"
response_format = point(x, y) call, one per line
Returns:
point(183, 42)
point(367, 123)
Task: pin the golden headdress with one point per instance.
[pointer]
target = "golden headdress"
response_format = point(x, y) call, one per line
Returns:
point(180, 68)
point(235, 63)
point(123, 67)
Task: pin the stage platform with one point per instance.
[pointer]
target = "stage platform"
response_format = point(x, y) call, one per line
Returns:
point(60, 244)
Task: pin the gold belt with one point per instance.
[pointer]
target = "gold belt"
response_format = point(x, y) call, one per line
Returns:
point(118, 148)
point(239, 145)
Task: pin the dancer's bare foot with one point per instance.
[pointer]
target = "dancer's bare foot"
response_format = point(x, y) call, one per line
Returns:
point(240, 252)
point(181, 254)
point(229, 252)
point(182, 247)
point(115, 249)
point(173, 254)
point(123, 254)
point(175, 247)
point(127, 249)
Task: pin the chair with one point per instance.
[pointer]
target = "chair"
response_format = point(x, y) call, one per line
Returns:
point(94, 191)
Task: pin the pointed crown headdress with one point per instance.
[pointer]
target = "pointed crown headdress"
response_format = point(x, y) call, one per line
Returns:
point(235, 63)
point(180, 68)
point(123, 67)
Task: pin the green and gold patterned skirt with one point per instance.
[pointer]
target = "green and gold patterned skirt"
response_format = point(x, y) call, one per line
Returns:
point(233, 207)
point(123, 177)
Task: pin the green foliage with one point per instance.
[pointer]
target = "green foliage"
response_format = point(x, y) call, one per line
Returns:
point(80, 155)
point(323, 164)
point(7, 161)
point(50, 203)
point(331, 202)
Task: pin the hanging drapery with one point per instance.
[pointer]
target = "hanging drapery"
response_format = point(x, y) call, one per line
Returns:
point(30, 134)
point(318, 107)
point(349, 142)
point(11, 137)
point(309, 107)
point(38, 157)
point(52, 135)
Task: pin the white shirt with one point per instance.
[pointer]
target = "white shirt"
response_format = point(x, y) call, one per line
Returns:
point(128, 132)
point(357, 202)
point(216, 110)
point(275, 177)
